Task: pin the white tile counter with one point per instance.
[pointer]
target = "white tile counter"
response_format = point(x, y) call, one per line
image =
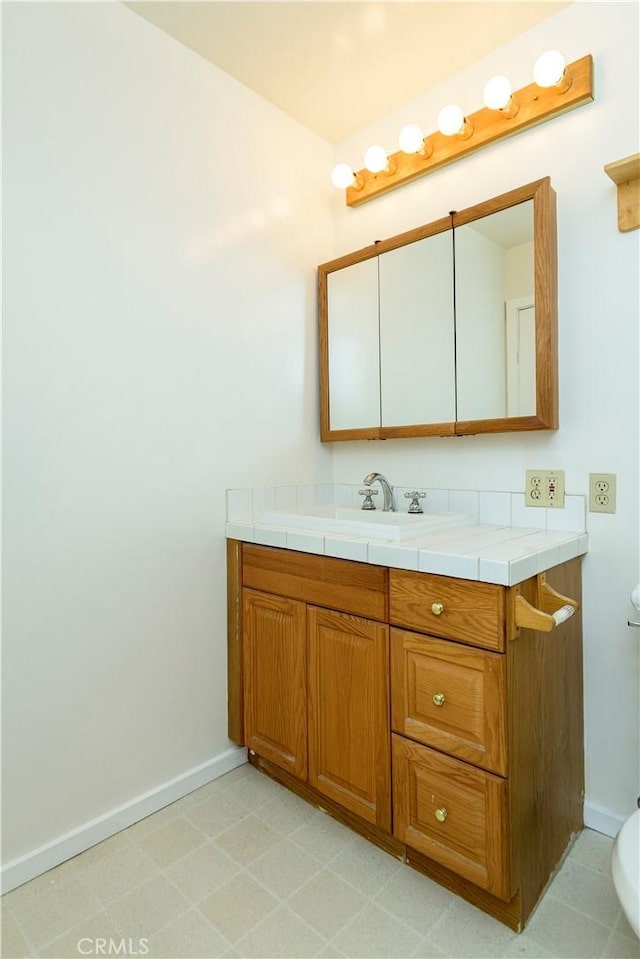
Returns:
point(504, 542)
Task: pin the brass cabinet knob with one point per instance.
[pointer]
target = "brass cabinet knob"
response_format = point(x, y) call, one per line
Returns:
point(438, 698)
point(441, 814)
point(437, 609)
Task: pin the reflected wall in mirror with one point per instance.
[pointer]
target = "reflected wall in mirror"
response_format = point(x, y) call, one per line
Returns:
point(495, 315)
point(354, 346)
point(449, 328)
point(417, 373)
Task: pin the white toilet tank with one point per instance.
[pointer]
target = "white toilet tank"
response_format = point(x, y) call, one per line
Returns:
point(625, 869)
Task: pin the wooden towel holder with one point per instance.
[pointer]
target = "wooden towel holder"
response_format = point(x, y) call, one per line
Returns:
point(553, 609)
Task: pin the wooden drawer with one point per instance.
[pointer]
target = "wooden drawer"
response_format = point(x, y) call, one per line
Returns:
point(451, 697)
point(452, 608)
point(319, 580)
point(455, 814)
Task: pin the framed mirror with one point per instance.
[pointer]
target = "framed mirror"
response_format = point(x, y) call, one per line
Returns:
point(449, 328)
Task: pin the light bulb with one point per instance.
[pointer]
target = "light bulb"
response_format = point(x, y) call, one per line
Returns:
point(497, 93)
point(635, 596)
point(451, 120)
point(376, 159)
point(548, 70)
point(343, 176)
point(411, 139)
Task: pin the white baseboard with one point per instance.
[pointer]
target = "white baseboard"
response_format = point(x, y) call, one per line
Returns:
point(34, 863)
point(602, 820)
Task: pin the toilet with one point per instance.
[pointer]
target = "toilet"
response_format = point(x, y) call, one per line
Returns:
point(625, 869)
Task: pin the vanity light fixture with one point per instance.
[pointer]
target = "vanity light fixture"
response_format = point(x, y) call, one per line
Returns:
point(376, 160)
point(498, 95)
point(557, 88)
point(452, 122)
point(343, 177)
point(411, 139)
point(549, 72)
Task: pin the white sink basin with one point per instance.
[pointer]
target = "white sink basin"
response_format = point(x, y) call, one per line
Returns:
point(358, 522)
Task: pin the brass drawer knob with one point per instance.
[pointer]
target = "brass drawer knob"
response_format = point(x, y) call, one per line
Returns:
point(438, 699)
point(441, 814)
point(437, 609)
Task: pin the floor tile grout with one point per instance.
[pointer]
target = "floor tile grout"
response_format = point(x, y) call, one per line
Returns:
point(568, 905)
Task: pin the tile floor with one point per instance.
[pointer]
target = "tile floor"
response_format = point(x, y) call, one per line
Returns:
point(243, 868)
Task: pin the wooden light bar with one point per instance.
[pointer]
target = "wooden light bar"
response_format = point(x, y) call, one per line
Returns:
point(535, 105)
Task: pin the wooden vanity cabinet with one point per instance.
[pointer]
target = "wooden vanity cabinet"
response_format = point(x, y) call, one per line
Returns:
point(413, 707)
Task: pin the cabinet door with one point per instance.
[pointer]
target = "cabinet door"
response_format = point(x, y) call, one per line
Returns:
point(349, 747)
point(274, 636)
point(453, 813)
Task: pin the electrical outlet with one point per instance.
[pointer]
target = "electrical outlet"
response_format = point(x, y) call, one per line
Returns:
point(544, 488)
point(602, 492)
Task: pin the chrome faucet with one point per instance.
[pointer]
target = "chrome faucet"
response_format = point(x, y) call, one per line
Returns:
point(389, 504)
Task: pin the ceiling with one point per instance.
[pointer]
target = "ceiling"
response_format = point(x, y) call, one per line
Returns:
point(338, 67)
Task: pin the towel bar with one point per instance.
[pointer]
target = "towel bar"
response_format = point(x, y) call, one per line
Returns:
point(554, 609)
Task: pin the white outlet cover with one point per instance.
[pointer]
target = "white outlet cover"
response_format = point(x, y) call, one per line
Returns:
point(602, 492)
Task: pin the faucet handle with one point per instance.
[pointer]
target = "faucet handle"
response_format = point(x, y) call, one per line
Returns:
point(415, 497)
point(368, 493)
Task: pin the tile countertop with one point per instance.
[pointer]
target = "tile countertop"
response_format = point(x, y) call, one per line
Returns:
point(492, 552)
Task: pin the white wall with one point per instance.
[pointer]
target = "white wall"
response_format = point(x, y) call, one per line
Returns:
point(161, 230)
point(598, 334)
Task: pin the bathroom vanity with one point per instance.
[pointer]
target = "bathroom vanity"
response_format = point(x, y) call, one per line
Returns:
point(439, 716)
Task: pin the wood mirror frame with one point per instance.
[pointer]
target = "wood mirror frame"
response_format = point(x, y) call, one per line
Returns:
point(545, 292)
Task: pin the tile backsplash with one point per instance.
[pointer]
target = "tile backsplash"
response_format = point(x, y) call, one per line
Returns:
point(247, 506)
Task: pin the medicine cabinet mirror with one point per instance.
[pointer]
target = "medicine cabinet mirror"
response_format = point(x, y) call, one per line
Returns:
point(446, 329)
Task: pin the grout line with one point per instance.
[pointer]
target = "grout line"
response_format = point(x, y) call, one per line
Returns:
point(607, 943)
point(75, 877)
point(101, 913)
point(282, 905)
point(322, 867)
point(28, 940)
point(373, 900)
point(196, 907)
point(280, 901)
point(578, 912)
point(550, 895)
